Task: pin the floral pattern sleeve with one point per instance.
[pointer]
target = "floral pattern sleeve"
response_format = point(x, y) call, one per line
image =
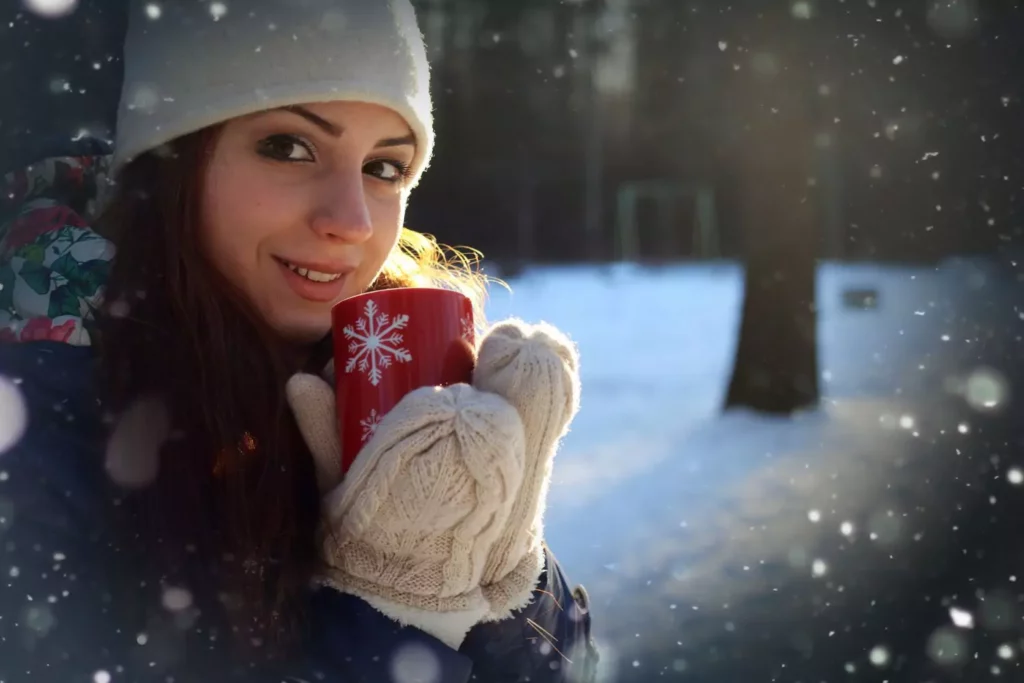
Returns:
point(52, 263)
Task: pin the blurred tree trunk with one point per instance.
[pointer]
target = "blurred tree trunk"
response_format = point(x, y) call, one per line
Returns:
point(776, 365)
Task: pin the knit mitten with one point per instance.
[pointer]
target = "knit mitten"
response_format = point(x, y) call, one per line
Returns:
point(409, 527)
point(536, 369)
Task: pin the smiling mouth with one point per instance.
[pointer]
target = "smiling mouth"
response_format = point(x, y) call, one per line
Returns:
point(312, 275)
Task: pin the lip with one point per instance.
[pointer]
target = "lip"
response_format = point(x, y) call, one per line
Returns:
point(335, 268)
point(318, 292)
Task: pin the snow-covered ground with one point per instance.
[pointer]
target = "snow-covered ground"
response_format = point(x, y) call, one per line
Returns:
point(661, 504)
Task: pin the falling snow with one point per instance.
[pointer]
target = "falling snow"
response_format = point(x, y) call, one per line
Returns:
point(961, 617)
point(13, 414)
point(218, 10)
point(133, 450)
point(854, 460)
point(879, 656)
point(51, 9)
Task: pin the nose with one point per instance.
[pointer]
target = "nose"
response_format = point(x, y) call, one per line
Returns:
point(341, 213)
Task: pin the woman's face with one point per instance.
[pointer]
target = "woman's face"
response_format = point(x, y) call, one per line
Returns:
point(301, 206)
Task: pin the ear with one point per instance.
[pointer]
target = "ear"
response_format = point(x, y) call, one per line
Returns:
point(313, 404)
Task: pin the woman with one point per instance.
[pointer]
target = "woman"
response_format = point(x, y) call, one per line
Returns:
point(166, 440)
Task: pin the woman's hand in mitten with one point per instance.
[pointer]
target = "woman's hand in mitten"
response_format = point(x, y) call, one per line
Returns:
point(410, 526)
point(536, 369)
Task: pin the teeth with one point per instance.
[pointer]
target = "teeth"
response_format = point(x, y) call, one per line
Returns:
point(313, 275)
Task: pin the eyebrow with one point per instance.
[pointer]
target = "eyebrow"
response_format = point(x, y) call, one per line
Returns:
point(336, 131)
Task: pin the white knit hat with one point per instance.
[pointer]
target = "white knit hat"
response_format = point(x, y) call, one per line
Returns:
point(190, 64)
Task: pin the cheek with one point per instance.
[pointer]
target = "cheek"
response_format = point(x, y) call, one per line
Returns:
point(235, 216)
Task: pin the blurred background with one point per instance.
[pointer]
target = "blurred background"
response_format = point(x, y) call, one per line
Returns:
point(787, 237)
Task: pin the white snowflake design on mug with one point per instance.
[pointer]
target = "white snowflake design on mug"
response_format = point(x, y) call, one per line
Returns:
point(369, 424)
point(376, 342)
point(468, 328)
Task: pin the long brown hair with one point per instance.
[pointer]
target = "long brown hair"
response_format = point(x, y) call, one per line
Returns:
point(236, 493)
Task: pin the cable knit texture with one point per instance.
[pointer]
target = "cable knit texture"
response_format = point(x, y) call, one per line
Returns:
point(439, 522)
point(313, 404)
point(536, 369)
point(409, 528)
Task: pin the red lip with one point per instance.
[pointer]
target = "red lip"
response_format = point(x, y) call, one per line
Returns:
point(317, 292)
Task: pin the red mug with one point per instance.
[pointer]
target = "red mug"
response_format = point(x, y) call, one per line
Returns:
point(390, 342)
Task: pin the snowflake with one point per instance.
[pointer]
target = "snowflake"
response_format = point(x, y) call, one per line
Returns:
point(369, 424)
point(375, 341)
point(468, 329)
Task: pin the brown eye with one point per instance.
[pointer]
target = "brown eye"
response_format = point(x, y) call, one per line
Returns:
point(286, 148)
point(389, 171)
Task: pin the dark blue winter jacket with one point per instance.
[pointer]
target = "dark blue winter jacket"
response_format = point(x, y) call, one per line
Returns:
point(71, 607)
